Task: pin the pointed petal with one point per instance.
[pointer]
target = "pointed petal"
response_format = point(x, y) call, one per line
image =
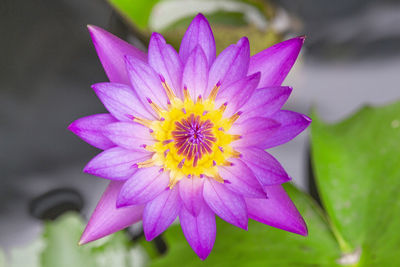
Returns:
point(198, 33)
point(121, 101)
point(146, 82)
point(191, 193)
point(107, 219)
point(116, 163)
point(159, 213)
point(231, 65)
point(256, 131)
point(275, 62)
point(238, 93)
point(277, 211)
point(264, 166)
point(165, 61)
point(226, 204)
point(195, 73)
point(111, 51)
point(145, 185)
point(241, 179)
point(129, 135)
point(292, 124)
point(200, 231)
point(90, 130)
point(265, 102)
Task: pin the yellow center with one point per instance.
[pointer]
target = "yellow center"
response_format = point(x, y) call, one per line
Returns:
point(213, 144)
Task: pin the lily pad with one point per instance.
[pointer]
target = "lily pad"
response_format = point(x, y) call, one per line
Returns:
point(358, 177)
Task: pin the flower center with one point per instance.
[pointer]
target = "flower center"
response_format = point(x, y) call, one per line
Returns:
point(191, 138)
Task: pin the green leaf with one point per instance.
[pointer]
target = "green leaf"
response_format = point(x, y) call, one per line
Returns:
point(358, 176)
point(62, 249)
point(136, 11)
point(2, 259)
point(261, 245)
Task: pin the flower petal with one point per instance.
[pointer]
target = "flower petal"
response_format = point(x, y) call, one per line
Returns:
point(159, 213)
point(111, 51)
point(292, 124)
point(195, 73)
point(240, 179)
point(198, 33)
point(116, 163)
point(145, 185)
point(200, 231)
point(146, 82)
point(277, 211)
point(231, 65)
point(129, 135)
point(107, 219)
point(275, 62)
point(89, 129)
point(256, 131)
point(264, 166)
point(265, 102)
point(238, 93)
point(121, 101)
point(165, 61)
point(226, 204)
point(191, 193)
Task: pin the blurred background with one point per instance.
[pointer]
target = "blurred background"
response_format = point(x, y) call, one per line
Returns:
point(351, 58)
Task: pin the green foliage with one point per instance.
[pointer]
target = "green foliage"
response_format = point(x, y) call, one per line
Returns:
point(136, 11)
point(357, 166)
point(58, 246)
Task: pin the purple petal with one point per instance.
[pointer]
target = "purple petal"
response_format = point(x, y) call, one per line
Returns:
point(275, 62)
point(129, 135)
point(165, 61)
point(238, 93)
point(200, 231)
point(120, 100)
point(146, 82)
point(191, 193)
point(116, 163)
point(265, 167)
point(265, 102)
point(89, 129)
point(195, 73)
point(241, 179)
point(160, 213)
point(107, 219)
point(230, 206)
point(277, 211)
point(292, 124)
point(198, 33)
point(231, 65)
point(111, 51)
point(256, 131)
point(145, 185)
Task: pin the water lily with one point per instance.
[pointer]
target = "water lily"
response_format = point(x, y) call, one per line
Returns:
point(186, 135)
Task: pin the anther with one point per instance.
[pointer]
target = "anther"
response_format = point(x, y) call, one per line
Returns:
point(165, 142)
point(214, 91)
point(205, 112)
point(184, 110)
point(235, 117)
point(214, 163)
point(166, 153)
point(236, 137)
point(180, 165)
point(221, 148)
point(221, 129)
point(186, 93)
point(222, 108)
point(199, 99)
point(154, 106)
point(168, 90)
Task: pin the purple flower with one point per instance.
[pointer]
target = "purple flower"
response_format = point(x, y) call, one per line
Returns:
point(186, 136)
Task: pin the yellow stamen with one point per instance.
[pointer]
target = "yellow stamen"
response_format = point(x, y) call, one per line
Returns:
point(218, 178)
point(235, 117)
point(186, 93)
point(168, 91)
point(222, 108)
point(236, 137)
point(146, 163)
point(214, 92)
point(144, 122)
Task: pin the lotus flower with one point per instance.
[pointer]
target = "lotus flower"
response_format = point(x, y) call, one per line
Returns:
point(186, 135)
